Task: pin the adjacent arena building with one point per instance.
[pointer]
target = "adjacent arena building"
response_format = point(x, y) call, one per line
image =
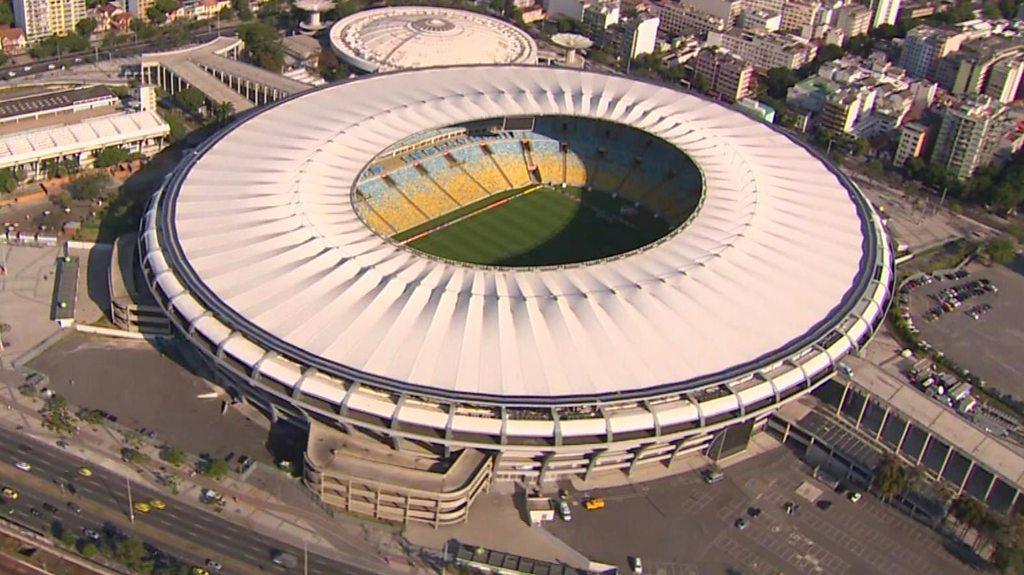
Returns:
point(406, 37)
point(287, 250)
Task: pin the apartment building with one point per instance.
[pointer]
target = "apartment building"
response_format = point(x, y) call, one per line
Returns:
point(800, 17)
point(765, 50)
point(885, 12)
point(853, 20)
point(912, 144)
point(42, 18)
point(728, 76)
point(965, 141)
point(924, 46)
point(679, 20)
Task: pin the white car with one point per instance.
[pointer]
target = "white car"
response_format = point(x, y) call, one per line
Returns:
point(854, 496)
point(564, 511)
point(51, 67)
point(636, 565)
point(23, 465)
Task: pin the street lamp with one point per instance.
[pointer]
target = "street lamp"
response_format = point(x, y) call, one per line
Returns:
point(131, 508)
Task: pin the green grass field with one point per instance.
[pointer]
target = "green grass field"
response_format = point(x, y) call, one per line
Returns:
point(543, 227)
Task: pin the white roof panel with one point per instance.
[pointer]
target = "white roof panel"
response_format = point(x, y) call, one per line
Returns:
point(265, 220)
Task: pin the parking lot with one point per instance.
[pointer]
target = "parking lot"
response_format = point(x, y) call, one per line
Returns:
point(144, 388)
point(989, 346)
point(681, 525)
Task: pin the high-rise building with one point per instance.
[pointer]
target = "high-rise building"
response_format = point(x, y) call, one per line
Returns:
point(761, 20)
point(970, 70)
point(853, 20)
point(727, 10)
point(138, 8)
point(598, 17)
point(799, 17)
point(885, 12)
point(726, 74)
point(765, 50)
point(964, 142)
point(635, 36)
point(679, 20)
point(1004, 80)
point(913, 141)
point(42, 18)
point(924, 46)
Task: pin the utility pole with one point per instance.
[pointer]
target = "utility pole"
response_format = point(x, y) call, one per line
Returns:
point(305, 557)
point(131, 508)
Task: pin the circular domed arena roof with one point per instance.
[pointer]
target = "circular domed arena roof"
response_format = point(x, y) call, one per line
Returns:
point(256, 245)
point(406, 37)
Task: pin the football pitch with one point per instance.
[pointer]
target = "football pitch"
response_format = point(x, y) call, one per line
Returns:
point(544, 227)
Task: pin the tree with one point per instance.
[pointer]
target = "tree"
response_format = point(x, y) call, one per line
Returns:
point(166, 6)
point(89, 550)
point(700, 82)
point(175, 456)
point(891, 478)
point(91, 187)
point(155, 15)
point(216, 469)
point(566, 24)
point(8, 180)
point(109, 156)
point(86, 26)
point(241, 7)
point(1002, 250)
point(223, 112)
point(262, 45)
point(779, 81)
point(56, 417)
point(6, 14)
point(191, 99)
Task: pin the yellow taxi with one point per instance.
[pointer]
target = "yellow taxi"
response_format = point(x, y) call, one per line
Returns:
point(9, 493)
point(158, 504)
point(142, 507)
point(594, 503)
point(85, 472)
point(199, 571)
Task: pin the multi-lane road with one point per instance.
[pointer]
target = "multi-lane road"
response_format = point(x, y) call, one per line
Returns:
point(101, 54)
point(191, 534)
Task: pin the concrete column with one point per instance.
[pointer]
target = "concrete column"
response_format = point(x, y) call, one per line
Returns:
point(885, 419)
point(1016, 496)
point(967, 476)
point(988, 490)
point(863, 408)
point(906, 430)
point(842, 400)
point(945, 462)
point(924, 447)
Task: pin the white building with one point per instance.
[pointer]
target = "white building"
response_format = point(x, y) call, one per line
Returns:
point(761, 20)
point(765, 50)
point(639, 35)
point(42, 18)
point(885, 12)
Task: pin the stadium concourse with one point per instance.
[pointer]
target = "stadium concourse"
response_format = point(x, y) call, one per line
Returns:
point(293, 251)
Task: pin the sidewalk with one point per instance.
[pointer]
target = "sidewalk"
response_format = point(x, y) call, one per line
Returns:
point(374, 547)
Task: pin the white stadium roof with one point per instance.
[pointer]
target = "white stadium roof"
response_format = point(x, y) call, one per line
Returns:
point(405, 37)
point(261, 236)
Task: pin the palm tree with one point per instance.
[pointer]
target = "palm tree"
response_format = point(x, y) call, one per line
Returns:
point(223, 112)
point(891, 478)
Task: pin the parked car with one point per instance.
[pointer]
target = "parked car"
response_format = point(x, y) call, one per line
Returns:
point(853, 496)
point(741, 524)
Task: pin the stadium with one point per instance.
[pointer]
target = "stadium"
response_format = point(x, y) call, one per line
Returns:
point(458, 275)
point(407, 37)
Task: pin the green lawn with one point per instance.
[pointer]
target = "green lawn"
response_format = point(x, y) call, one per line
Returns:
point(544, 227)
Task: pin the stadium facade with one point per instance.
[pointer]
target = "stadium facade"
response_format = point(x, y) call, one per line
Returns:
point(422, 380)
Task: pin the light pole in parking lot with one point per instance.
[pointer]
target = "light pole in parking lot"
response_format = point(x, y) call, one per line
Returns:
point(131, 508)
